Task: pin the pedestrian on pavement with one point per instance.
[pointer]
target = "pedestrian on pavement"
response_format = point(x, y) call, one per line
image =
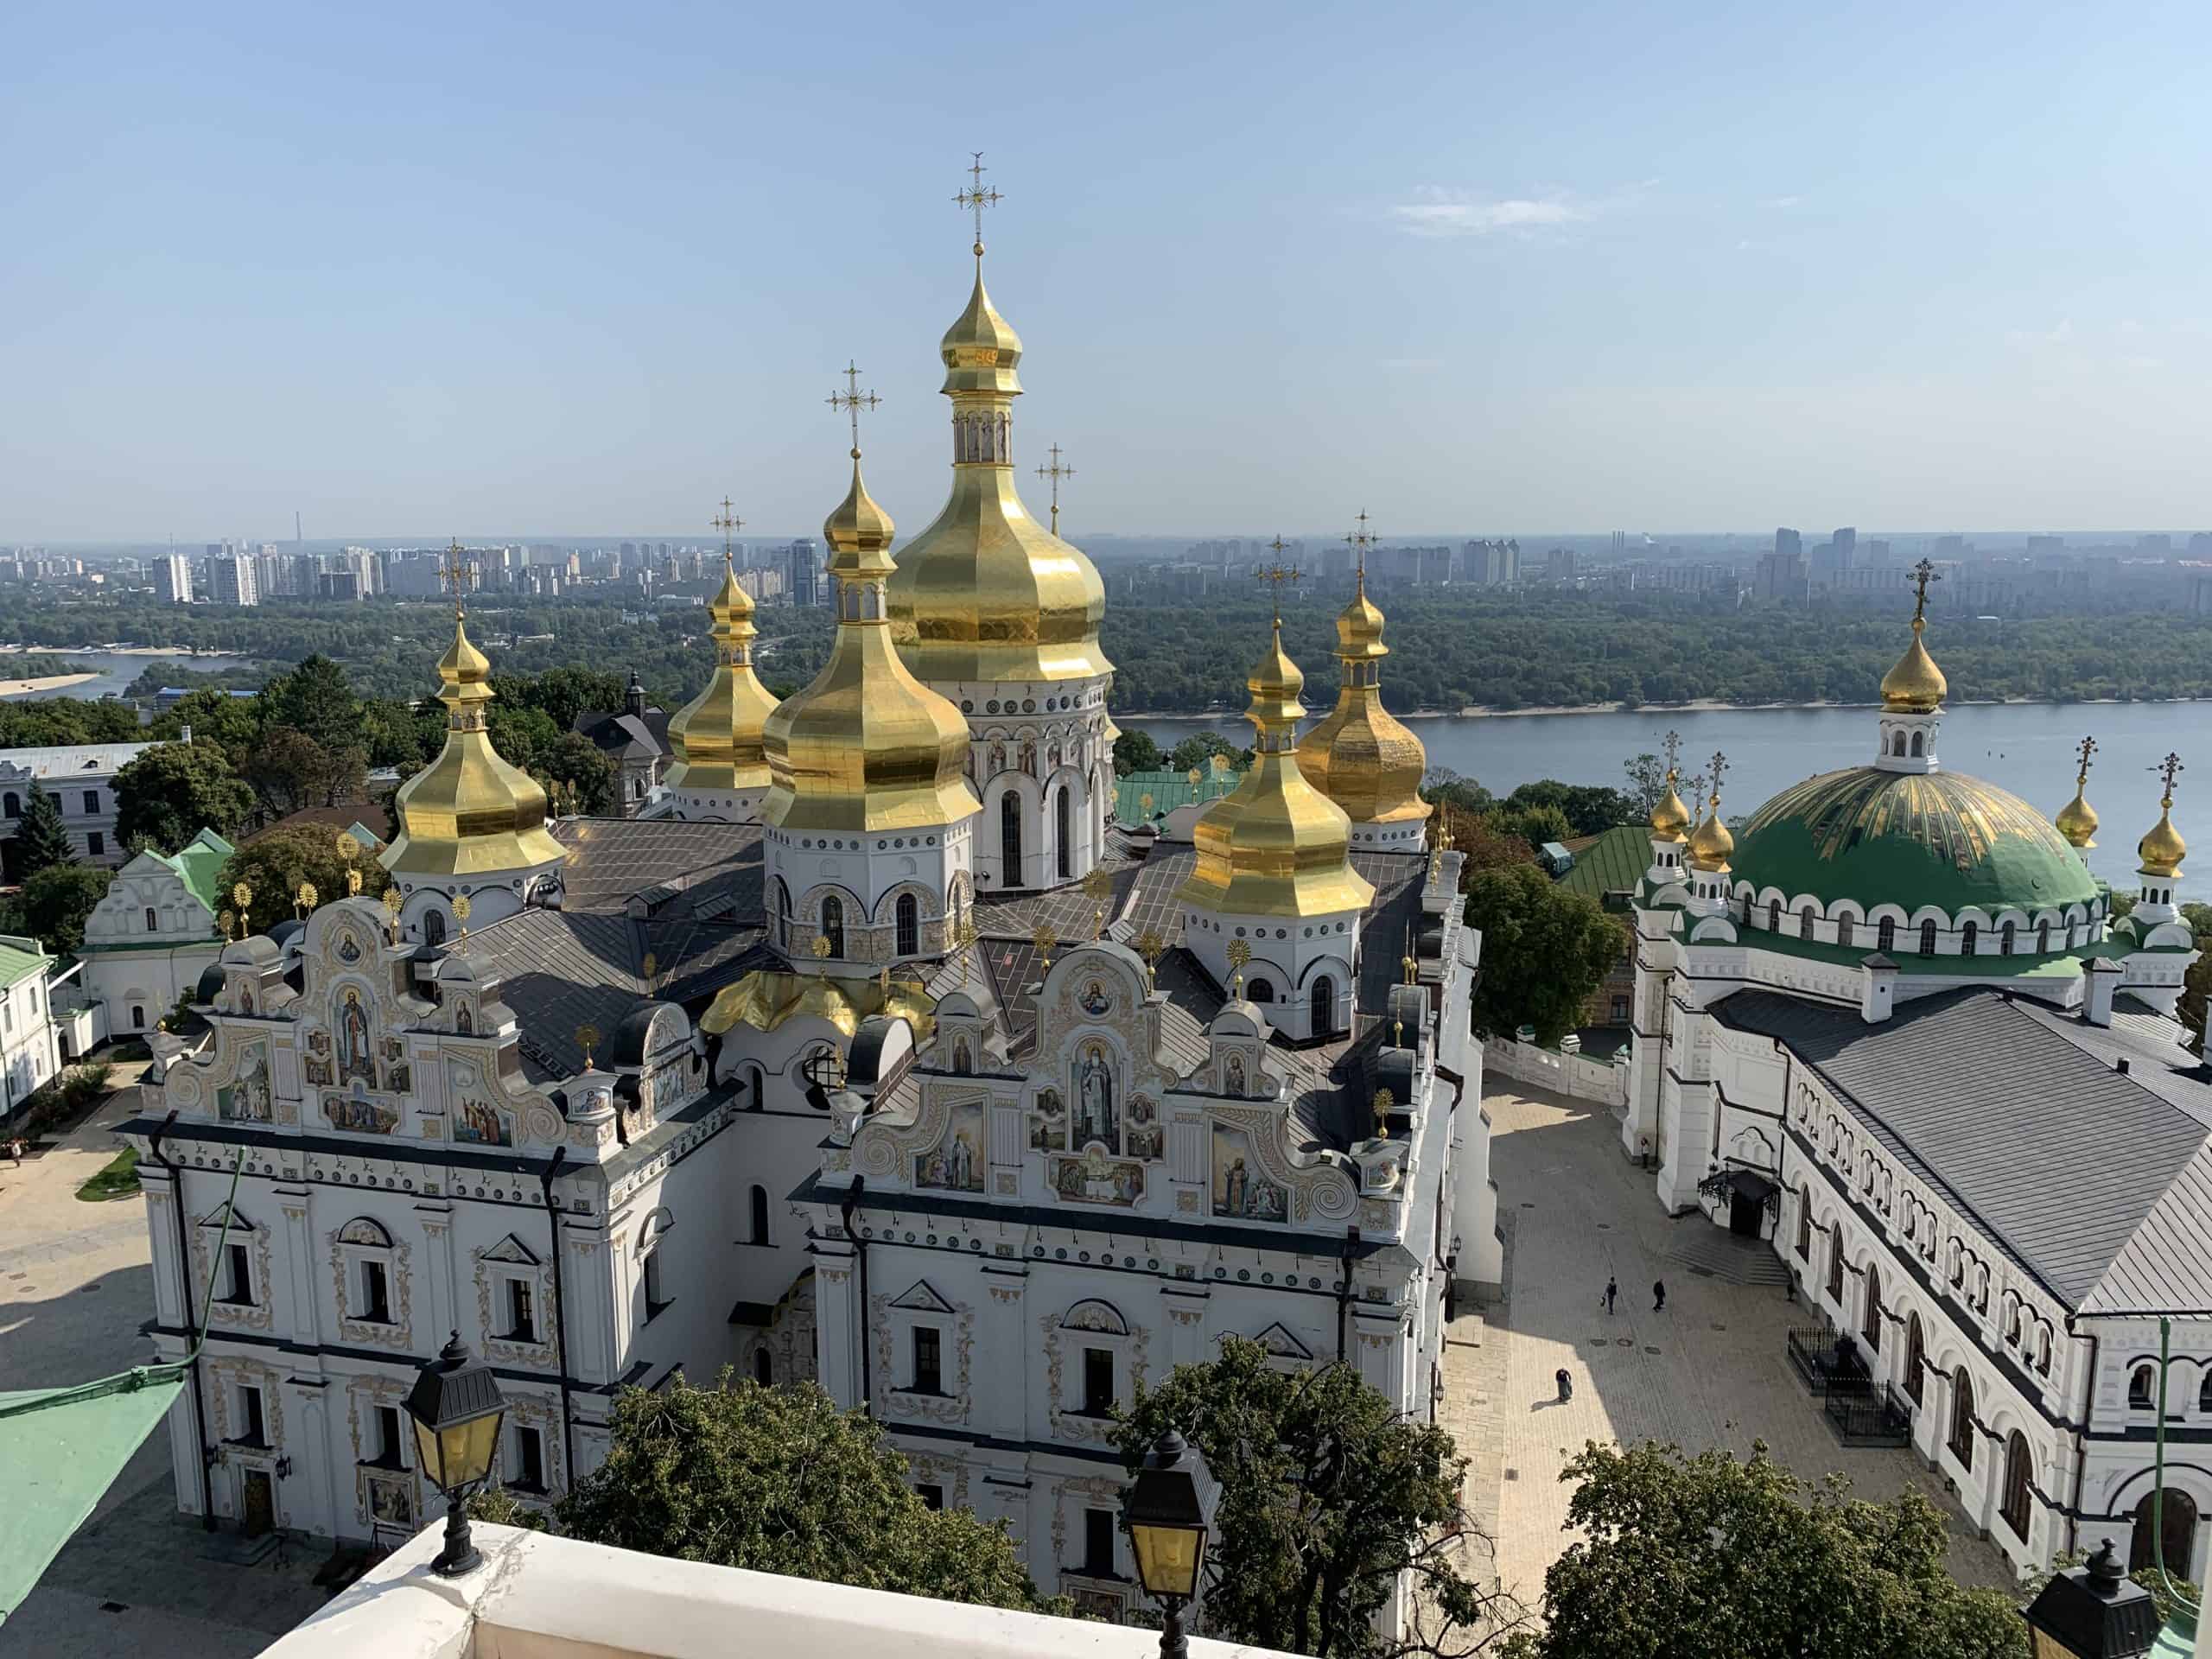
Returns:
point(1612, 1289)
point(1566, 1385)
point(1658, 1295)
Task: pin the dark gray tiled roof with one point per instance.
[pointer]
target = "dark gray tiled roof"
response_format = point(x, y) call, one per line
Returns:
point(2076, 1170)
point(612, 859)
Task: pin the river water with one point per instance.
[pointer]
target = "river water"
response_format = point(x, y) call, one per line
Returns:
point(115, 671)
point(2026, 749)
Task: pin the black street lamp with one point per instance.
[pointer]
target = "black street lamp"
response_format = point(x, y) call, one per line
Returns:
point(2092, 1611)
point(457, 1409)
point(1167, 1520)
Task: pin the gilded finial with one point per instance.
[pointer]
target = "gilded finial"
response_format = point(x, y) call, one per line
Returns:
point(453, 572)
point(963, 940)
point(1239, 954)
point(1151, 946)
point(460, 909)
point(728, 523)
point(1385, 1100)
point(649, 970)
point(1411, 968)
point(242, 896)
point(1194, 777)
point(1360, 541)
point(1144, 804)
point(1098, 885)
point(821, 947)
point(1277, 574)
point(2162, 851)
point(2168, 770)
point(306, 898)
point(1043, 941)
point(852, 400)
point(391, 904)
point(2077, 819)
point(1711, 843)
point(586, 1037)
point(228, 923)
point(1056, 473)
point(883, 980)
point(1923, 573)
point(974, 198)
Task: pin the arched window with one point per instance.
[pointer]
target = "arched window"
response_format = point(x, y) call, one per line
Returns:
point(1805, 923)
point(2042, 937)
point(1774, 915)
point(1063, 833)
point(1836, 1265)
point(1844, 931)
point(1915, 1357)
point(1928, 939)
point(137, 1016)
point(1896, 746)
point(783, 914)
point(2017, 1468)
point(2012, 1319)
point(1885, 936)
point(1010, 840)
point(2204, 1392)
point(1870, 1326)
point(763, 1369)
point(1961, 1439)
point(2177, 1545)
point(2143, 1389)
point(153, 922)
point(756, 1088)
point(434, 927)
point(2042, 1353)
point(1804, 1225)
point(14, 804)
point(758, 1199)
point(1917, 739)
point(1969, 932)
point(909, 912)
point(2007, 937)
point(1324, 1006)
point(1260, 990)
point(833, 925)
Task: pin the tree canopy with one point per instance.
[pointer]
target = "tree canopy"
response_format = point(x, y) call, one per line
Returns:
point(173, 790)
point(55, 901)
point(275, 863)
point(1328, 1494)
point(1545, 949)
point(1683, 1558)
point(42, 839)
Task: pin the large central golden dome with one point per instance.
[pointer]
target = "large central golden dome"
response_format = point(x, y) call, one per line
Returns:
point(986, 593)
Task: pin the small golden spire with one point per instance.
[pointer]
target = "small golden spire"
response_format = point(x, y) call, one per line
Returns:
point(453, 572)
point(1151, 946)
point(1385, 1100)
point(727, 522)
point(1670, 819)
point(586, 1037)
point(391, 904)
point(460, 910)
point(1042, 942)
point(1277, 574)
point(1710, 843)
point(1239, 954)
point(306, 898)
point(242, 896)
point(2077, 819)
point(974, 198)
point(2162, 851)
point(1098, 885)
point(1913, 685)
point(963, 940)
point(228, 922)
point(1056, 473)
point(821, 947)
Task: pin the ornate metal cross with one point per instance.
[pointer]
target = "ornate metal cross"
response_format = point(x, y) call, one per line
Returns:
point(1923, 573)
point(2087, 748)
point(1673, 748)
point(1056, 473)
point(852, 400)
point(1714, 773)
point(1360, 541)
point(453, 576)
point(2168, 770)
point(1277, 574)
point(974, 197)
point(727, 522)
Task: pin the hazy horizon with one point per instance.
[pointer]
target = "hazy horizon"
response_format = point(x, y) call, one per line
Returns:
point(1562, 264)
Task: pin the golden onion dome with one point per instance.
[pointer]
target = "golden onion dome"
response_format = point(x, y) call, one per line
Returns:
point(1670, 819)
point(1275, 845)
point(1711, 845)
point(1361, 757)
point(2160, 851)
point(986, 593)
point(866, 746)
point(468, 812)
point(2077, 820)
point(1913, 685)
point(716, 737)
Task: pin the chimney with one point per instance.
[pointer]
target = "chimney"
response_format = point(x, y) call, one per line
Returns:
point(2120, 1065)
point(1877, 993)
point(2104, 976)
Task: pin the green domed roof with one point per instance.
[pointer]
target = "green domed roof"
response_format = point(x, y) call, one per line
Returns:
point(1909, 839)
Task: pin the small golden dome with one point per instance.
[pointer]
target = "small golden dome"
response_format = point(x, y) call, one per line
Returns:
point(468, 812)
point(716, 737)
point(1670, 819)
point(1710, 843)
point(2077, 820)
point(1274, 683)
point(1913, 685)
point(866, 746)
point(2160, 853)
point(981, 350)
point(1359, 629)
point(1361, 757)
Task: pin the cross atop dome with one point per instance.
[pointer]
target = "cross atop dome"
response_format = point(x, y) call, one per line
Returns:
point(975, 197)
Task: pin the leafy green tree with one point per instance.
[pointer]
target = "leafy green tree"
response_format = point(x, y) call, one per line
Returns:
point(1328, 1494)
point(1447, 788)
point(215, 716)
point(1545, 949)
point(778, 1480)
point(1486, 847)
point(1534, 824)
point(402, 734)
point(562, 694)
point(1135, 751)
point(524, 736)
point(575, 763)
point(1586, 809)
point(315, 699)
point(173, 790)
point(42, 839)
point(275, 862)
point(289, 770)
point(1647, 783)
point(56, 901)
point(1683, 1558)
point(1199, 748)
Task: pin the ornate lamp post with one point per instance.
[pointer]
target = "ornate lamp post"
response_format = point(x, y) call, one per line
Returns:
point(457, 1409)
point(1166, 1521)
point(2092, 1611)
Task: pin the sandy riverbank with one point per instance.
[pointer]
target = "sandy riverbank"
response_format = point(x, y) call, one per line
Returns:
point(35, 688)
point(114, 651)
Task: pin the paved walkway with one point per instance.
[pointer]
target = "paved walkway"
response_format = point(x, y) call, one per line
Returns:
point(75, 1283)
point(1709, 1370)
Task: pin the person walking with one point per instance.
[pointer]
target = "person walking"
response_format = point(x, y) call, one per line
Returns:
point(1566, 1385)
point(1612, 1289)
point(1658, 1295)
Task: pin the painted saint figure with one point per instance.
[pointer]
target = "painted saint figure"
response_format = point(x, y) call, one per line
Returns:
point(1095, 1099)
point(353, 1041)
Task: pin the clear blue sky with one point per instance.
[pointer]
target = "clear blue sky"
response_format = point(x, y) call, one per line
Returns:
point(429, 270)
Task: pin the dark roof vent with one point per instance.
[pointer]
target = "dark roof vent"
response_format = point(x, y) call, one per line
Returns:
point(2120, 1065)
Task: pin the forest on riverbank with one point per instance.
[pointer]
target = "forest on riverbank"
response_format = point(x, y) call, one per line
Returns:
point(1451, 648)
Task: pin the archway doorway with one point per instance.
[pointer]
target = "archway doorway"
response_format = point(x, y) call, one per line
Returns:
point(1325, 1006)
point(2179, 1544)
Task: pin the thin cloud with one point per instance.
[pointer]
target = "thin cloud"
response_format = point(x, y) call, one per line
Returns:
point(1445, 212)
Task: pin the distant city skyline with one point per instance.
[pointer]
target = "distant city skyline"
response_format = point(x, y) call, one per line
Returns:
point(1586, 266)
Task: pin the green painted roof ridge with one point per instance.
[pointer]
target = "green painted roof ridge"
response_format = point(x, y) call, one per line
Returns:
point(1614, 861)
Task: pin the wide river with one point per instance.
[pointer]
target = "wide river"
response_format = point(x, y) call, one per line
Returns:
point(2025, 747)
point(113, 672)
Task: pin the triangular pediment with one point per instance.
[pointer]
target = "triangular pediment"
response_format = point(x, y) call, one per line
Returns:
point(223, 1214)
point(512, 1249)
point(922, 1297)
point(1282, 1344)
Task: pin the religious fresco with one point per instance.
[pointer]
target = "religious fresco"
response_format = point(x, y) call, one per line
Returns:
point(956, 1163)
point(1240, 1191)
point(392, 1502)
point(249, 1099)
point(1146, 1135)
point(1235, 1072)
point(316, 1070)
point(352, 1025)
point(1095, 1002)
point(1095, 1178)
point(1048, 1122)
point(398, 1077)
point(359, 1113)
point(478, 1123)
point(1095, 1119)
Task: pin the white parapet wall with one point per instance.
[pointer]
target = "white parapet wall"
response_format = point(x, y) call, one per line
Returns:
point(538, 1597)
point(1575, 1076)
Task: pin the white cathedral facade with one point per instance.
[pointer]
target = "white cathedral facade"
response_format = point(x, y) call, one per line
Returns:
point(888, 1059)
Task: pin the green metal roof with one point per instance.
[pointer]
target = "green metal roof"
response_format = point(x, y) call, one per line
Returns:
point(1936, 838)
point(1168, 790)
point(20, 958)
point(1612, 862)
point(199, 864)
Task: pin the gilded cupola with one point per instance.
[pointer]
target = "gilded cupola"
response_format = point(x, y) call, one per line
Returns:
point(986, 593)
point(2077, 819)
point(717, 736)
point(1360, 756)
point(1670, 819)
point(2159, 853)
point(1913, 685)
point(468, 813)
point(1275, 845)
point(866, 746)
point(1711, 846)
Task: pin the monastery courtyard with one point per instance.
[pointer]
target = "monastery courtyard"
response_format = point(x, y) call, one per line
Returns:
point(1710, 1371)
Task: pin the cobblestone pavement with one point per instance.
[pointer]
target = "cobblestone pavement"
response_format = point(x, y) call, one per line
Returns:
point(1709, 1370)
point(75, 1284)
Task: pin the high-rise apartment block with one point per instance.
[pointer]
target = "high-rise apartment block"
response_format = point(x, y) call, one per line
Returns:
point(173, 578)
point(233, 578)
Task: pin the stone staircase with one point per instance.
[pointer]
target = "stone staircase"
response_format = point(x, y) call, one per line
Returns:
point(1704, 1249)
